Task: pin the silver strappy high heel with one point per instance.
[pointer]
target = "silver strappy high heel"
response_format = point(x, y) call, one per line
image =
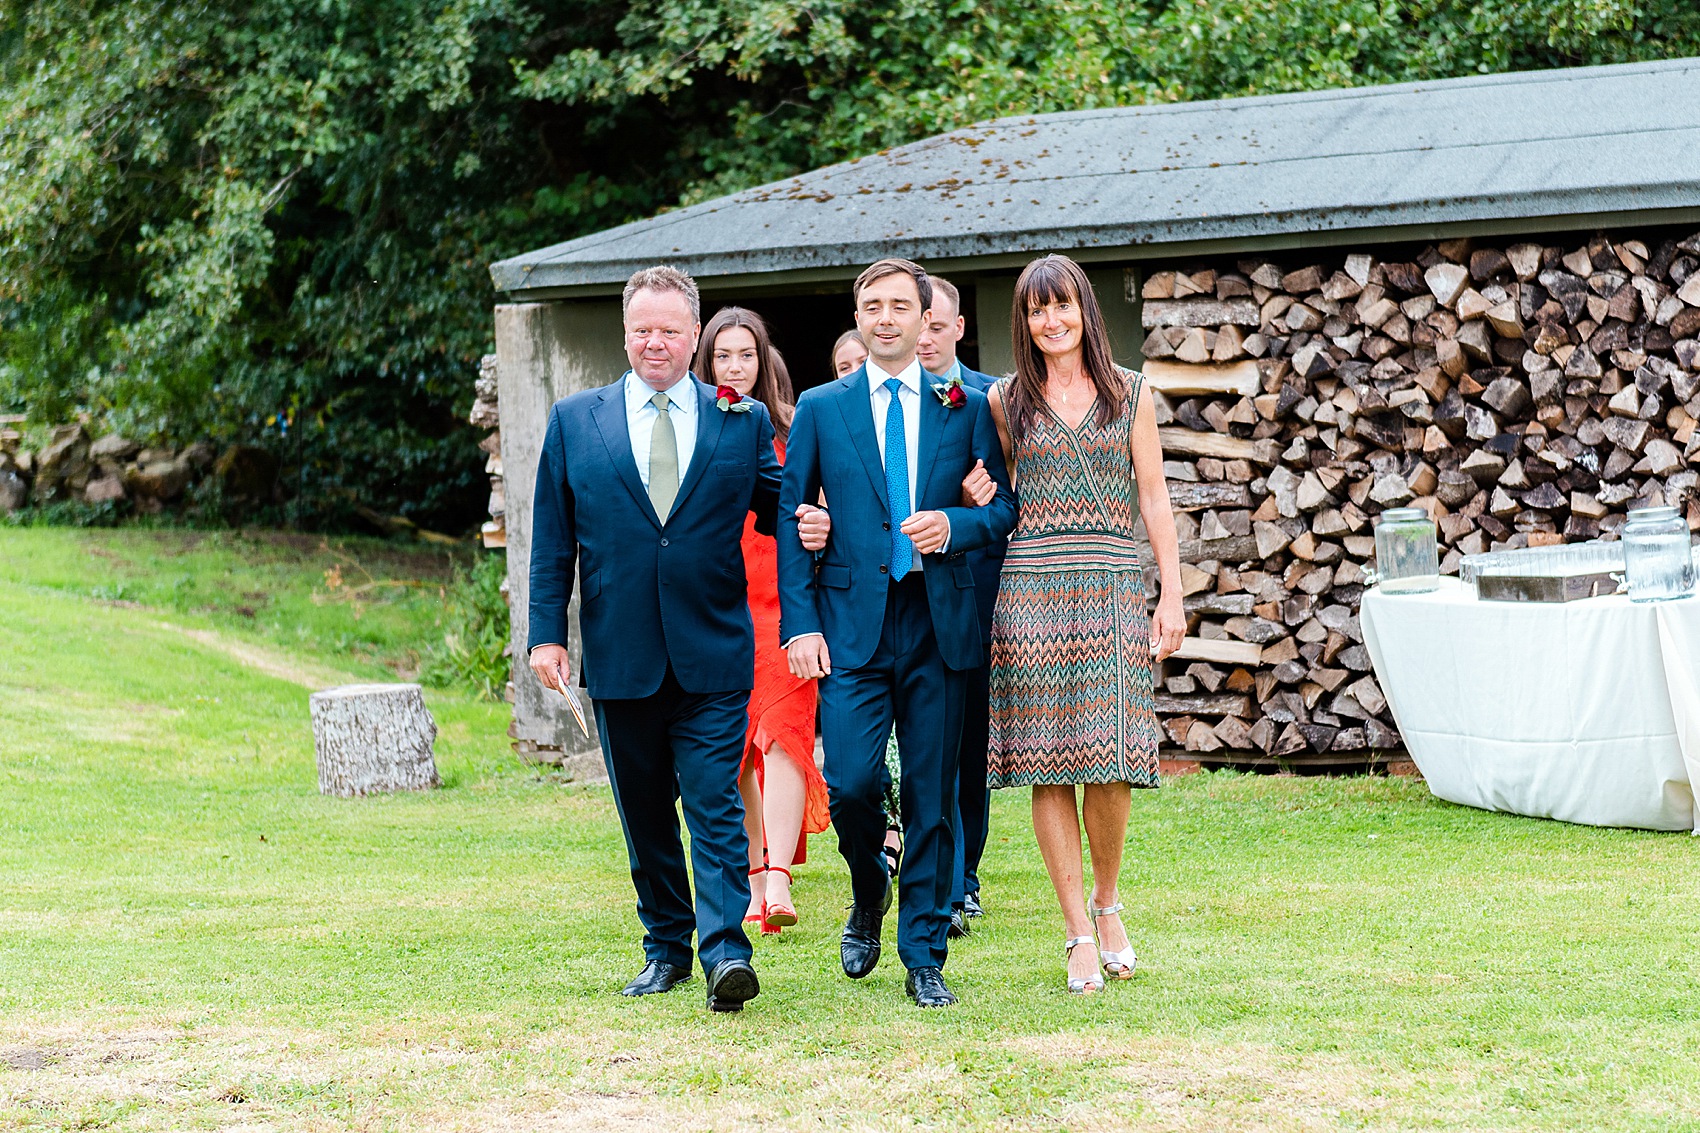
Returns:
point(1081, 985)
point(1117, 965)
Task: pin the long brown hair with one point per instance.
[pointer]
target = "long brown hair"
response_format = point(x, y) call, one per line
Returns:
point(1047, 280)
point(773, 380)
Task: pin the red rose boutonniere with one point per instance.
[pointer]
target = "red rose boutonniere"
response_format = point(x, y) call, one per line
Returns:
point(731, 401)
point(950, 393)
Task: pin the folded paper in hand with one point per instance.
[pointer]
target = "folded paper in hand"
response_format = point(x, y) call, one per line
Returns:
point(576, 705)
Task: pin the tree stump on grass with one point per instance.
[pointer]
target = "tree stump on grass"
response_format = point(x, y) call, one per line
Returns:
point(373, 738)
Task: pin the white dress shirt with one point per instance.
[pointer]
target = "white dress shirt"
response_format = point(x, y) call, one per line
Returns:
point(909, 396)
point(641, 415)
point(879, 400)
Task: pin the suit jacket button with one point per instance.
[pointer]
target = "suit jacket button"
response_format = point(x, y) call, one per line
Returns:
point(887, 526)
point(882, 568)
point(663, 542)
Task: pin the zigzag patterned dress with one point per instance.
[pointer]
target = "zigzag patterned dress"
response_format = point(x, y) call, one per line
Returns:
point(1071, 647)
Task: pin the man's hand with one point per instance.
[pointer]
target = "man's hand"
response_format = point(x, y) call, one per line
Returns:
point(808, 657)
point(930, 531)
point(978, 487)
point(813, 527)
point(550, 664)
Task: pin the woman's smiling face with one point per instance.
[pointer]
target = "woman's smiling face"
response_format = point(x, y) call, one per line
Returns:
point(1057, 326)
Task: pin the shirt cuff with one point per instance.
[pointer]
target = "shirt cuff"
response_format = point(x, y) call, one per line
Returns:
point(945, 550)
point(798, 638)
point(540, 645)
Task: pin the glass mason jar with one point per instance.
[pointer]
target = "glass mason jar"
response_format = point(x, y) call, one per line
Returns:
point(1407, 560)
point(1656, 557)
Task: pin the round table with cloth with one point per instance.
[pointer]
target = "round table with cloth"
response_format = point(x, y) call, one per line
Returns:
point(1585, 711)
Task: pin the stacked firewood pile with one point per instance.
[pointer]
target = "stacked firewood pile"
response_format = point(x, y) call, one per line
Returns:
point(1523, 395)
point(69, 466)
point(486, 414)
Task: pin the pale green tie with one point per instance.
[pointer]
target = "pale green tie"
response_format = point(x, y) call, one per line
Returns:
point(663, 459)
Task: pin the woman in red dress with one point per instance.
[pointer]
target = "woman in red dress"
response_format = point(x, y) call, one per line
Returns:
point(785, 797)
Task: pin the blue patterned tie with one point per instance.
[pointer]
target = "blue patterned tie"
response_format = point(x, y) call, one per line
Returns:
point(897, 482)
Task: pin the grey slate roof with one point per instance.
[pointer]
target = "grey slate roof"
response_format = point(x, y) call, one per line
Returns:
point(1571, 145)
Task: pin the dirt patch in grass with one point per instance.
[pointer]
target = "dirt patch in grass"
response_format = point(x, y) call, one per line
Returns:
point(1176, 1084)
point(271, 662)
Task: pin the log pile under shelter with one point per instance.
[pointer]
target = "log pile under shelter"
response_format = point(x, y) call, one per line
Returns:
point(1524, 395)
point(486, 414)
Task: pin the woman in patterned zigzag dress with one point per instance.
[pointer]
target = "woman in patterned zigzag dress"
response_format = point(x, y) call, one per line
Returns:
point(1071, 666)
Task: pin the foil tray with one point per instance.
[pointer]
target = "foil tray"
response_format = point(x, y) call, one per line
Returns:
point(1545, 588)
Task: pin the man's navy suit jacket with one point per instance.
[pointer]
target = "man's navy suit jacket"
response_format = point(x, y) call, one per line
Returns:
point(651, 594)
point(987, 562)
point(842, 593)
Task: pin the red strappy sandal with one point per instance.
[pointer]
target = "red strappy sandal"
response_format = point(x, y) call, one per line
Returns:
point(779, 916)
point(761, 917)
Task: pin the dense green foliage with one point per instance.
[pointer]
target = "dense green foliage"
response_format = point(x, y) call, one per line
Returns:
point(473, 651)
point(270, 220)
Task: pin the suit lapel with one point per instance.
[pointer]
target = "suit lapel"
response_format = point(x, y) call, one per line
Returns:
point(856, 407)
point(711, 422)
point(610, 418)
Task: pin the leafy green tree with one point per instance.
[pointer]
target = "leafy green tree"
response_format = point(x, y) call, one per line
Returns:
point(270, 220)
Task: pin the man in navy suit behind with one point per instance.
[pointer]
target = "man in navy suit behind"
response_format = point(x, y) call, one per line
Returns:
point(936, 350)
point(642, 491)
point(886, 617)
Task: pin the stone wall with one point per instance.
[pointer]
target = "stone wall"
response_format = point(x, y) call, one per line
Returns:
point(71, 467)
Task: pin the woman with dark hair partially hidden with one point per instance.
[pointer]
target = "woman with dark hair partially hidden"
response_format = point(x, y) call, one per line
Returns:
point(785, 797)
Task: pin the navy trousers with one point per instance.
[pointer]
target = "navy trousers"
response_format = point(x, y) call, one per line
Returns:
point(974, 798)
point(685, 746)
point(906, 680)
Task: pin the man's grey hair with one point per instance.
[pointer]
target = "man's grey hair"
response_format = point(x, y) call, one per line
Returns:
point(662, 277)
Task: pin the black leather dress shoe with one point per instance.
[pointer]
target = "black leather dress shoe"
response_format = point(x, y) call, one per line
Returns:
point(859, 949)
point(732, 984)
point(958, 925)
point(657, 976)
point(927, 988)
point(971, 906)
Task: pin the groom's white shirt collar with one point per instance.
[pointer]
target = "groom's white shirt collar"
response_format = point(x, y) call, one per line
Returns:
point(910, 375)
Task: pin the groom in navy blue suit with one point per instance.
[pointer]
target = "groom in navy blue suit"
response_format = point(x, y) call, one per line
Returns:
point(642, 491)
point(886, 616)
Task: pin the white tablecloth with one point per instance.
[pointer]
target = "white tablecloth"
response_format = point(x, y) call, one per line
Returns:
point(1583, 711)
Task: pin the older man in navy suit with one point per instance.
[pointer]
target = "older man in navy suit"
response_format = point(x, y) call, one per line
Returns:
point(886, 616)
point(641, 492)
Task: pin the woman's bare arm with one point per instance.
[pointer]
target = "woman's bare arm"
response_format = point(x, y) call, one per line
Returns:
point(995, 399)
point(1168, 624)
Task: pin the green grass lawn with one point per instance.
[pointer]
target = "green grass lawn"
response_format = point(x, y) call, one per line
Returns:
point(191, 937)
